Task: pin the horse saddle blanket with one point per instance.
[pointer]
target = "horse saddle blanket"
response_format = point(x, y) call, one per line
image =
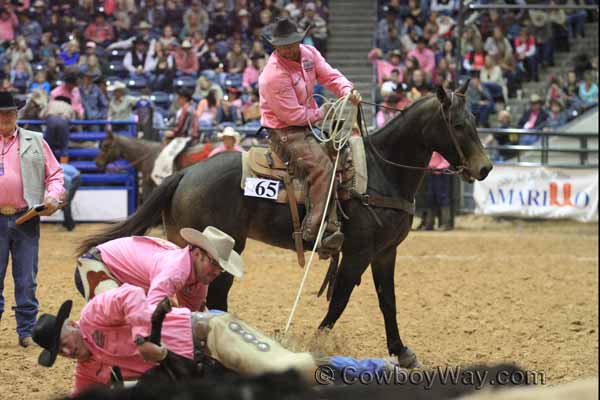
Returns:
point(246, 350)
point(165, 162)
point(95, 277)
point(261, 162)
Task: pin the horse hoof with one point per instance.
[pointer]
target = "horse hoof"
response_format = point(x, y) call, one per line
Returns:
point(408, 359)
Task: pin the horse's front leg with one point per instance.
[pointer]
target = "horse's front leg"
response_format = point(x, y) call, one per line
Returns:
point(351, 269)
point(382, 267)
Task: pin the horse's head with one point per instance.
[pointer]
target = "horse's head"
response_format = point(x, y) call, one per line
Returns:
point(459, 143)
point(109, 151)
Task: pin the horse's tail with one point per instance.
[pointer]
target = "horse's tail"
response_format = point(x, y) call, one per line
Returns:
point(146, 216)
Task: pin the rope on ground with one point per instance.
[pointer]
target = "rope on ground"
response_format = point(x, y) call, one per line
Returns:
point(339, 136)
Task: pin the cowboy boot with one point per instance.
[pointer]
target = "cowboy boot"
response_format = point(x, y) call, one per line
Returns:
point(446, 217)
point(333, 238)
point(428, 220)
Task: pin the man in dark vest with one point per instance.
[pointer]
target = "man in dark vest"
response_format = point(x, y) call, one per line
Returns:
point(135, 60)
point(29, 175)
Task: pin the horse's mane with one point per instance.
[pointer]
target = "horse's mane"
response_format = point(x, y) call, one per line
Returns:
point(392, 123)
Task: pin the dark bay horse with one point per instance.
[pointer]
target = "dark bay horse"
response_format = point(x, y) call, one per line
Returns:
point(209, 194)
point(142, 154)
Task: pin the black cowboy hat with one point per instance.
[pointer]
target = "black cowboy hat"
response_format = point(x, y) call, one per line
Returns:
point(63, 98)
point(284, 32)
point(46, 333)
point(7, 102)
point(71, 78)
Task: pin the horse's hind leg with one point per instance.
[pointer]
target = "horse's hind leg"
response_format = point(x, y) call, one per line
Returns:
point(382, 268)
point(350, 271)
point(171, 229)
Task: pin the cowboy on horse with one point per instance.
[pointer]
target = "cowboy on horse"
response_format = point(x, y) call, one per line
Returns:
point(287, 108)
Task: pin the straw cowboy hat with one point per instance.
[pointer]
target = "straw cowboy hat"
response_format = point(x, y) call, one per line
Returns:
point(539, 18)
point(218, 245)
point(229, 131)
point(46, 333)
point(283, 32)
point(118, 85)
point(535, 98)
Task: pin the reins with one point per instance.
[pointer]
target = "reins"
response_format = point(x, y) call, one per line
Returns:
point(444, 171)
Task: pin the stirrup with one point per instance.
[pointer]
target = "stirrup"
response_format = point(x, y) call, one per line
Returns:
point(333, 242)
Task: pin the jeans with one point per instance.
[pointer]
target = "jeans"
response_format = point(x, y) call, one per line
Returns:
point(69, 222)
point(57, 135)
point(352, 367)
point(482, 112)
point(22, 243)
point(438, 191)
point(494, 89)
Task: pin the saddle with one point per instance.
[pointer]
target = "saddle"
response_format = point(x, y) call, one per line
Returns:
point(261, 162)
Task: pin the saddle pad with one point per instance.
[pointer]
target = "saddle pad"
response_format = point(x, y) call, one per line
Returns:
point(164, 164)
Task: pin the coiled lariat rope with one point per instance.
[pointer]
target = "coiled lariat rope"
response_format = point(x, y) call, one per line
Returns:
point(339, 134)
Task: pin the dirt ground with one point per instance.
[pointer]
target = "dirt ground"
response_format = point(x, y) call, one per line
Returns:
point(492, 290)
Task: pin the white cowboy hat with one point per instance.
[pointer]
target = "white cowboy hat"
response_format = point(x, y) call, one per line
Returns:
point(229, 131)
point(118, 85)
point(218, 245)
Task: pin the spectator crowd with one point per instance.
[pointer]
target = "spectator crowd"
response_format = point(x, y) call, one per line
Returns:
point(416, 49)
point(102, 59)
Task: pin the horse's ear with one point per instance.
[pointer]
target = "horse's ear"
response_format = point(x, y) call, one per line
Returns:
point(442, 96)
point(463, 89)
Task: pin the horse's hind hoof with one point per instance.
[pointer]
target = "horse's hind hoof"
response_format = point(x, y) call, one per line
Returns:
point(408, 359)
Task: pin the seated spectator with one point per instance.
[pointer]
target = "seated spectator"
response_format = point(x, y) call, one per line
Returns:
point(161, 68)
point(168, 37)
point(135, 59)
point(244, 26)
point(317, 25)
point(533, 118)
point(228, 113)
point(154, 12)
point(390, 20)
point(7, 86)
point(560, 33)
point(40, 82)
point(19, 51)
point(57, 114)
point(92, 65)
point(526, 54)
point(475, 59)
point(230, 139)
point(69, 90)
point(424, 55)
point(410, 33)
point(195, 18)
point(497, 44)
point(445, 7)
point(121, 104)
point(31, 29)
point(588, 91)
point(8, 24)
point(70, 55)
point(556, 117)
point(252, 71)
point(251, 108)
point(471, 36)
point(512, 139)
point(186, 123)
point(571, 90)
point(53, 70)
point(236, 59)
point(57, 26)
point(391, 41)
point(94, 101)
point(20, 75)
point(186, 62)
point(90, 50)
point(391, 84)
point(491, 77)
point(206, 112)
point(204, 85)
point(220, 24)
point(449, 54)
point(410, 66)
point(100, 31)
point(479, 100)
point(384, 68)
point(122, 25)
point(394, 99)
point(541, 29)
point(418, 85)
point(47, 47)
point(443, 75)
point(555, 92)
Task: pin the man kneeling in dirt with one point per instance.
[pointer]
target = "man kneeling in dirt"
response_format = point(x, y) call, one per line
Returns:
point(114, 327)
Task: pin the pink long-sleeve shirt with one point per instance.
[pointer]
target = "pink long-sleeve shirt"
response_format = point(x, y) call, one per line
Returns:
point(438, 161)
point(426, 59)
point(74, 95)
point(11, 181)
point(286, 88)
point(160, 267)
point(8, 27)
point(109, 324)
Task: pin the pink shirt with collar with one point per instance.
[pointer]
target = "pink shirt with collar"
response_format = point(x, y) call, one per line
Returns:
point(286, 88)
point(74, 95)
point(109, 324)
point(159, 267)
point(222, 149)
point(11, 181)
point(426, 59)
point(438, 161)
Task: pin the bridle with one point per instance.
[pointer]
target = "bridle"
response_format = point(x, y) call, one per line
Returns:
point(446, 117)
point(133, 164)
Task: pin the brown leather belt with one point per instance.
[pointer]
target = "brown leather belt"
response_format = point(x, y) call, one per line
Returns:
point(8, 211)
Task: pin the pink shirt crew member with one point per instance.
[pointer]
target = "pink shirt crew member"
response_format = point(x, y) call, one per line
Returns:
point(286, 88)
point(109, 324)
point(160, 267)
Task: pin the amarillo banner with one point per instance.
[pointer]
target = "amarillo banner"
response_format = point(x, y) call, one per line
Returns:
point(539, 192)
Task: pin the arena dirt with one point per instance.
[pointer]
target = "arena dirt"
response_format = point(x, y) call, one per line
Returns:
point(493, 290)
